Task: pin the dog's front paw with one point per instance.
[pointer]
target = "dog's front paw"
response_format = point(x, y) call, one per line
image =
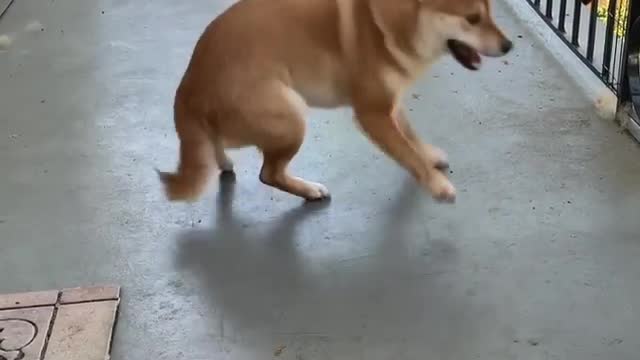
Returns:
point(441, 188)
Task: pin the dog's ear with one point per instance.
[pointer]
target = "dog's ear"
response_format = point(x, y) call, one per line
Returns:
point(396, 18)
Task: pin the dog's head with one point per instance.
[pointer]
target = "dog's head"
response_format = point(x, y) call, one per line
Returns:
point(463, 27)
point(467, 28)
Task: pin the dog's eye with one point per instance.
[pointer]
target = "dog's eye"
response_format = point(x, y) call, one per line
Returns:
point(473, 19)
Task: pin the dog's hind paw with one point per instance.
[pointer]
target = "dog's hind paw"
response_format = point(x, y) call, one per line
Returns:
point(317, 192)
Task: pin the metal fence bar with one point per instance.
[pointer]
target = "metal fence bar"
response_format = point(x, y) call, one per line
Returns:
point(575, 32)
point(608, 39)
point(593, 19)
point(562, 16)
point(614, 69)
point(549, 9)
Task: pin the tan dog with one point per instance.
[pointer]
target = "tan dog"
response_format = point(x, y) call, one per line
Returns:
point(260, 64)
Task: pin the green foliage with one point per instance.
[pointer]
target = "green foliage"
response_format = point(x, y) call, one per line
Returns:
point(620, 18)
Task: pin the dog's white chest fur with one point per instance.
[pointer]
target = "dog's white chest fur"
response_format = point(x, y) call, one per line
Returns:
point(325, 93)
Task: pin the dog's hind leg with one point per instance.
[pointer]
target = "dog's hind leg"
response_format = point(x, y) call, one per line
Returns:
point(281, 142)
point(274, 173)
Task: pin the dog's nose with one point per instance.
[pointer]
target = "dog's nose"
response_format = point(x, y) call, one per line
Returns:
point(506, 46)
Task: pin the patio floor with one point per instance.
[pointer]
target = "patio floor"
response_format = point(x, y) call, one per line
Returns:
point(538, 259)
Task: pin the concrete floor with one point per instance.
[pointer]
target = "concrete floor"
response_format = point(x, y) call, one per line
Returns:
point(537, 260)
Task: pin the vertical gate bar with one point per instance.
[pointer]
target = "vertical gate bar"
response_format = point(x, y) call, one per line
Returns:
point(608, 39)
point(575, 32)
point(549, 9)
point(562, 16)
point(537, 4)
point(615, 59)
point(593, 20)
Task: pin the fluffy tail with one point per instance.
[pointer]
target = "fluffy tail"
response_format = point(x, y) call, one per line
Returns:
point(196, 160)
point(184, 185)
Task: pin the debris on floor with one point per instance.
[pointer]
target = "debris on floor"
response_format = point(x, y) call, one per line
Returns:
point(34, 26)
point(533, 342)
point(279, 350)
point(606, 105)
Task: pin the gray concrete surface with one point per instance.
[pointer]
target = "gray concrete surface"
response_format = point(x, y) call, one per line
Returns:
point(537, 260)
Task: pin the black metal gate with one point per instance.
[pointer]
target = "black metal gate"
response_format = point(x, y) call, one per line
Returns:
point(595, 32)
point(605, 35)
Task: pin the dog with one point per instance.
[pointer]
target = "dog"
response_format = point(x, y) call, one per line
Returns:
point(260, 64)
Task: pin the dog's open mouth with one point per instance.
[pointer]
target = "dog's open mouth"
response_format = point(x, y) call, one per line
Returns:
point(465, 54)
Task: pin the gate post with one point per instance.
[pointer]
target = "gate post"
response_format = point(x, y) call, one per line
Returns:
point(629, 85)
point(630, 72)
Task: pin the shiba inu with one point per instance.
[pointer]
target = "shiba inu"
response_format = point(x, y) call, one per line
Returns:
point(261, 63)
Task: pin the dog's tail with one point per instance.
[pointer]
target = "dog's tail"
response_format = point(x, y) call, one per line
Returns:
point(196, 160)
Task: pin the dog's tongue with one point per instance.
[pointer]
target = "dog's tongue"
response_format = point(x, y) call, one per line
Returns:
point(469, 58)
point(465, 55)
point(472, 58)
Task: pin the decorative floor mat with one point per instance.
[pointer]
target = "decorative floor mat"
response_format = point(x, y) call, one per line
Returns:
point(70, 324)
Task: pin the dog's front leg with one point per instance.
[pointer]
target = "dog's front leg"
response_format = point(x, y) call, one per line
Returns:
point(385, 129)
point(433, 153)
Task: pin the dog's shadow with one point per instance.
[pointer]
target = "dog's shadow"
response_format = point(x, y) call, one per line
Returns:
point(266, 279)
